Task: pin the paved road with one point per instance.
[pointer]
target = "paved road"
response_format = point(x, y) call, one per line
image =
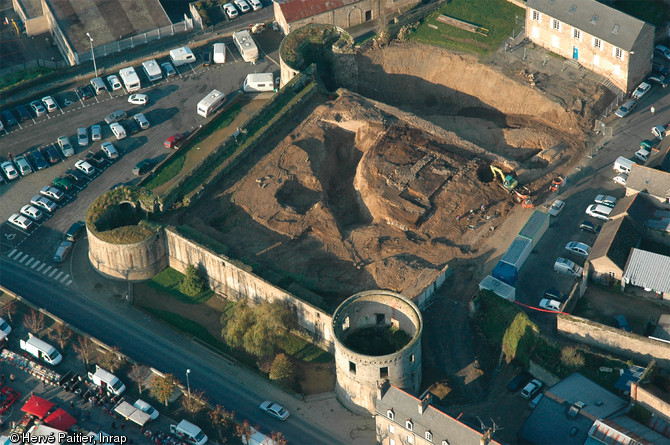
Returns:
point(164, 352)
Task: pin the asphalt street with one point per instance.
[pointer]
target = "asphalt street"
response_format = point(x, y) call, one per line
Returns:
point(163, 352)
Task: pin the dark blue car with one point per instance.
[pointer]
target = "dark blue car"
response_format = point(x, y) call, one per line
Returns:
point(9, 118)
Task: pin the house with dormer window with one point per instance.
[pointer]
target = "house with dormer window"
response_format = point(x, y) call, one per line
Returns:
point(602, 39)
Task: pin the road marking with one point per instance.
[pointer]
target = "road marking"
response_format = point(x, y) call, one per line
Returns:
point(68, 283)
point(53, 272)
point(65, 278)
point(18, 254)
point(11, 253)
point(41, 267)
point(24, 258)
point(35, 264)
point(29, 262)
point(44, 272)
point(58, 276)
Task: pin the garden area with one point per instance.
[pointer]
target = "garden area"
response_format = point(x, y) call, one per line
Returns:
point(254, 336)
point(494, 20)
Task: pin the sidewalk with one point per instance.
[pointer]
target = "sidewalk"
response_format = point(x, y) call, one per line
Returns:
point(323, 410)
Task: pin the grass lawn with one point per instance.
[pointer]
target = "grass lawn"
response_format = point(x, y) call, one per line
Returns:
point(298, 348)
point(653, 11)
point(168, 282)
point(498, 16)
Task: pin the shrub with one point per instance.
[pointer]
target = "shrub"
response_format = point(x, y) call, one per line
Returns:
point(192, 284)
point(572, 358)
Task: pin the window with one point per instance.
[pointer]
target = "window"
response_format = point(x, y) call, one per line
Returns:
point(410, 438)
point(345, 324)
point(381, 318)
point(615, 30)
point(391, 429)
point(383, 372)
point(411, 358)
point(597, 43)
point(429, 436)
point(618, 53)
point(572, 9)
point(391, 441)
point(368, 16)
point(536, 16)
point(390, 414)
point(409, 425)
point(352, 367)
point(576, 34)
point(556, 24)
point(555, 41)
point(594, 19)
point(596, 60)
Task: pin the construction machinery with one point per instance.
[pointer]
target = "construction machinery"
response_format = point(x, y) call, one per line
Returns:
point(511, 185)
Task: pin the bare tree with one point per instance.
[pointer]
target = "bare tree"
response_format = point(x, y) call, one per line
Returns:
point(244, 431)
point(85, 349)
point(112, 359)
point(61, 334)
point(222, 420)
point(195, 403)
point(34, 321)
point(278, 439)
point(138, 375)
point(8, 310)
point(162, 388)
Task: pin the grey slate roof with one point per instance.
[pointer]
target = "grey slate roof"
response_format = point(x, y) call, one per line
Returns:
point(615, 27)
point(615, 241)
point(652, 181)
point(648, 270)
point(577, 388)
point(443, 426)
point(621, 429)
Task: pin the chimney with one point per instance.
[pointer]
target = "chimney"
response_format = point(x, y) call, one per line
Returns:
point(426, 398)
point(382, 387)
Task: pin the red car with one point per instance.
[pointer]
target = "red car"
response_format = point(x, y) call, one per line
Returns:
point(173, 140)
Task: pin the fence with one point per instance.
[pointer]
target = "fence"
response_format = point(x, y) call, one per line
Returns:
point(138, 40)
point(33, 64)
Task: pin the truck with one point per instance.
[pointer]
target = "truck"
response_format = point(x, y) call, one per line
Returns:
point(130, 79)
point(506, 273)
point(219, 53)
point(518, 252)
point(498, 287)
point(106, 380)
point(210, 103)
point(537, 224)
point(246, 45)
point(41, 350)
point(182, 56)
point(189, 433)
point(152, 70)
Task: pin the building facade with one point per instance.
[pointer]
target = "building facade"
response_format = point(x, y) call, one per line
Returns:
point(600, 38)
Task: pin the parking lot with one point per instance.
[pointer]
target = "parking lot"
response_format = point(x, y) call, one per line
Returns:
point(171, 108)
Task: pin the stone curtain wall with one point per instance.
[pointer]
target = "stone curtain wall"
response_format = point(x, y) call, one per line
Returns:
point(234, 282)
point(614, 340)
point(646, 398)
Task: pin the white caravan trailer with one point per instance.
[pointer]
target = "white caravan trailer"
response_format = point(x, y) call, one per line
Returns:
point(130, 79)
point(182, 56)
point(152, 70)
point(211, 103)
point(259, 82)
point(219, 53)
point(246, 45)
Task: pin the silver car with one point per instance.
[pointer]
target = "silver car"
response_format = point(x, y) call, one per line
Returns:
point(65, 146)
point(82, 136)
point(578, 248)
point(141, 121)
point(96, 132)
point(43, 203)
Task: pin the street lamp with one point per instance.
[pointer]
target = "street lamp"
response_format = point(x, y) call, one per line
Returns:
point(93, 54)
point(188, 385)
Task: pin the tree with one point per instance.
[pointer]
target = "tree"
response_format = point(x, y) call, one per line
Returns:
point(244, 431)
point(34, 321)
point(162, 388)
point(8, 310)
point(282, 370)
point(278, 439)
point(192, 284)
point(139, 374)
point(85, 349)
point(222, 420)
point(195, 403)
point(61, 334)
point(112, 359)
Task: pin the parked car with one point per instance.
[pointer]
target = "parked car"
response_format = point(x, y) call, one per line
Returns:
point(9, 170)
point(206, 58)
point(31, 212)
point(116, 116)
point(85, 167)
point(38, 108)
point(641, 90)
point(109, 150)
point(96, 159)
point(531, 388)
point(114, 82)
point(599, 211)
point(566, 267)
point(255, 4)
point(50, 103)
point(519, 381)
point(43, 203)
point(96, 132)
point(173, 140)
point(588, 226)
point(242, 5)
point(621, 179)
point(662, 52)
point(231, 12)
point(76, 231)
point(51, 154)
point(642, 154)
point(626, 108)
point(660, 79)
point(38, 159)
point(52, 193)
point(141, 121)
point(144, 406)
point(578, 248)
point(20, 221)
point(9, 118)
point(274, 409)
point(75, 175)
point(62, 251)
point(22, 112)
point(131, 126)
point(143, 167)
point(622, 323)
point(63, 183)
point(556, 207)
point(607, 200)
point(118, 130)
point(82, 136)
point(658, 131)
point(23, 165)
point(85, 92)
point(550, 305)
point(65, 146)
point(138, 99)
point(553, 294)
point(169, 70)
point(533, 403)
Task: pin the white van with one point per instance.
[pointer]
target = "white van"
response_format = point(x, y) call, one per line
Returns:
point(98, 85)
point(41, 350)
point(623, 165)
point(189, 433)
point(567, 267)
point(258, 82)
point(219, 53)
point(106, 380)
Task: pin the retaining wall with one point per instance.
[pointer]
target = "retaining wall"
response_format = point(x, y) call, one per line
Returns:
point(614, 340)
point(649, 399)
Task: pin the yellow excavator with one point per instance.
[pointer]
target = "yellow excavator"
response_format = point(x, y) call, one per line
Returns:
point(510, 184)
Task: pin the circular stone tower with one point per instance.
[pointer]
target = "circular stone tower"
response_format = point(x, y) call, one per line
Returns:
point(377, 337)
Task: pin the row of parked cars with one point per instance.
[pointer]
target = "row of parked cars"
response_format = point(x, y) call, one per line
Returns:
point(238, 7)
point(36, 108)
point(660, 75)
